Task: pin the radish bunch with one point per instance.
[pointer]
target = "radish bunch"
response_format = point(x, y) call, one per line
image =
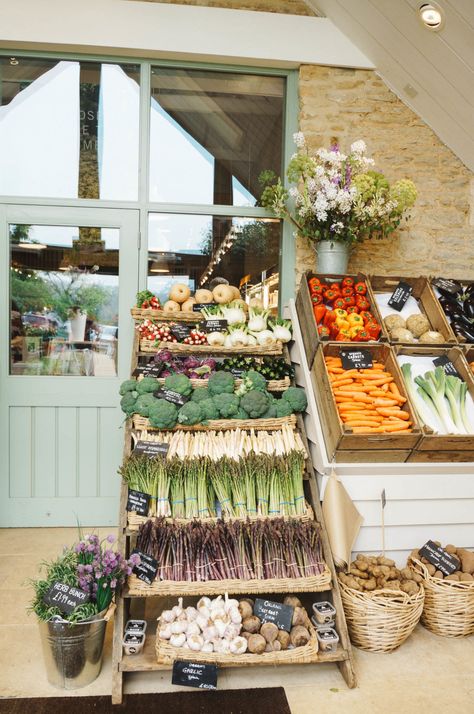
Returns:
point(160, 331)
point(196, 337)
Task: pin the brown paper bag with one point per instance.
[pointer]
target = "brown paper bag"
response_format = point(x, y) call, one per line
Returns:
point(343, 520)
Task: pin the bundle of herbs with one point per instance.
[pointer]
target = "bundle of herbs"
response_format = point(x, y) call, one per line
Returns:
point(245, 550)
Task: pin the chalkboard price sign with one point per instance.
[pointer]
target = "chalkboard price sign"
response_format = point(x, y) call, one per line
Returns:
point(438, 557)
point(237, 373)
point(151, 448)
point(198, 306)
point(449, 286)
point(400, 295)
point(138, 501)
point(447, 365)
point(213, 325)
point(66, 597)
point(147, 569)
point(180, 331)
point(278, 613)
point(356, 359)
point(171, 396)
point(194, 674)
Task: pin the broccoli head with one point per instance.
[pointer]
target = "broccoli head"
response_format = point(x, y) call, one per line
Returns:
point(190, 413)
point(143, 404)
point(130, 385)
point(296, 397)
point(199, 394)
point(227, 404)
point(147, 384)
point(255, 403)
point(128, 402)
point(208, 410)
point(271, 412)
point(221, 383)
point(163, 414)
point(252, 380)
point(241, 414)
point(283, 408)
point(179, 383)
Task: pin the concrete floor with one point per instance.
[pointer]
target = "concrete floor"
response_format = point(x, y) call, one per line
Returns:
point(428, 671)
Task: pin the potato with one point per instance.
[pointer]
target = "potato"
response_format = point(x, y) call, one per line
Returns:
point(417, 577)
point(362, 565)
point(430, 568)
point(393, 585)
point(452, 577)
point(283, 638)
point(409, 587)
point(269, 630)
point(358, 573)
point(256, 644)
point(292, 600)
point(251, 624)
point(299, 636)
point(451, 549)
point(439, 575)
point(467, 560)
point(386, 561)
point(466, 578)
point(406, 573)
point(370, 584)
point(245, 609)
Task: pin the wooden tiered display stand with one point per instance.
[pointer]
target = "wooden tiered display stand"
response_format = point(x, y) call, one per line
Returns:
point(146, 661)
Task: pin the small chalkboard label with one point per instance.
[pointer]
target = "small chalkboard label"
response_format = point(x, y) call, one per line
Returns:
point(237, 373)
point(213, 325)
point(147, 568)
point(151, 448)
point(194, 674)
point(138, 501)
point(198, 306)
point(356, 359)
point(152, 369)
point(275, 612)
point(447, 365)
point(449, 286)
point(66, 597)
point(180, 331)
point(438, 557)
point(400, 295)
point(171, 396)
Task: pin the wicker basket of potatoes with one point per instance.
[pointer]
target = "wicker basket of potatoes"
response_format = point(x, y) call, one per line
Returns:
point(382, 604)
point(449, 599)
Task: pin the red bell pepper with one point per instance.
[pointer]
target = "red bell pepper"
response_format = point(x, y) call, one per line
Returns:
point(323, 331)
point(316, 299)
point(362, 336)
point(348, 282)
point(335, 286)
point(367, 316)
point(349, 301)
point(330, 294)
point(360, 288)
point(316, 290)
point(319, 312)
point(334, 330)
point(312, 282)
point(353, 309)
point(339, 303)
point(374, 329)
point(343, 336)
point(362, 302)
point(329, 317)
point(347, 291)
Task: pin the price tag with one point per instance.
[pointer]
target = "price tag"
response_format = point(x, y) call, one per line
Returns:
point(198, 306)
point(438, 557)
point(138, 501)
point(171, 396)
point(400, 295)
point(152, 369)
point(66, 597)
point(194, 674)
point(275, 612)
point(147, 569)
point(447, 365)
point(213, 325)
point(151, 448)
point(356, 359)
point(449, 286)
point(238, 373)
point(180, 331)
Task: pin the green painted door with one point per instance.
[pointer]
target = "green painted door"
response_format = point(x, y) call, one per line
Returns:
point(69, 277)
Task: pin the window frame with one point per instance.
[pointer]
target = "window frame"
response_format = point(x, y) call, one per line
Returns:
point(143, 204)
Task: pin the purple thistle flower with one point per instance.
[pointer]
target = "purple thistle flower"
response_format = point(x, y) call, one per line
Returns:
point(111, 538)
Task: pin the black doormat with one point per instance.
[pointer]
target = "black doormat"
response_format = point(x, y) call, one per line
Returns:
point(228, 701)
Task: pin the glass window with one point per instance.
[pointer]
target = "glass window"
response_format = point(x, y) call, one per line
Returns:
point(69, 129)
point(197, 250)
point(212, 134)
point(64, 285)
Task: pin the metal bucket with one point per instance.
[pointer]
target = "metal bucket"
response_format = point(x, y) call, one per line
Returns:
point(332, 257)
point(73, 652)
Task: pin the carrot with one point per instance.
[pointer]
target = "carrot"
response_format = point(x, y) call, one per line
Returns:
point(356, 388)
point(394, 389)
point(336, 370)
point(341, 382)
point(366, 429)
point(393, 412)
point(396, 427)
point(362, 422)
point(378, 402)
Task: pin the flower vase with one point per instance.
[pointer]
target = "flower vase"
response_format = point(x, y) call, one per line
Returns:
point(78, 327)
point(332, 256)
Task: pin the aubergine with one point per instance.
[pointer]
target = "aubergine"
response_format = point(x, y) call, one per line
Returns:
point(468, 308)
point(466, 332)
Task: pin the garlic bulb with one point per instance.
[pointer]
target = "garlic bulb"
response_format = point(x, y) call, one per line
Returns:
point(193, 629)
point(230, 603)
point(177, 640)
point(224, 647)
point(231, 631)
point(220, 625)
point(235, 615)
point(207, 647)
point(167, 616)
point(238, 645)
point(191, 613)
point(204, 603)
point(178, 609)
point(178, 626)
point(195, 642)
point(209, 633)
point(165, 633)
point(202, 621)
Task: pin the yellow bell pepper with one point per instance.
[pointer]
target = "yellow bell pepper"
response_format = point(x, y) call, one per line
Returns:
point(342, 323)
point(355, 329)
point(355, 319)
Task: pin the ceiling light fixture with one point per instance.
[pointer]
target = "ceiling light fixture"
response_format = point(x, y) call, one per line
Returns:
point(14, 61)
point(432, 16)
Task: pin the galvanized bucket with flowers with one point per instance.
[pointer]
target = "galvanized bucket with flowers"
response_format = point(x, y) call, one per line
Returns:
point(336, 200)
point(72, 636)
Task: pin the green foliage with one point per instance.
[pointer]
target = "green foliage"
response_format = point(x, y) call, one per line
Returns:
point(163, 414)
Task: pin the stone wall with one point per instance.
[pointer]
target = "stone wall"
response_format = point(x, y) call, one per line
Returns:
point(350, 104)
point(286, 7)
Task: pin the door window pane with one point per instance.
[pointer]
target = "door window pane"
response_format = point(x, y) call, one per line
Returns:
point(196, 250)
point(68, 129)
point(212, 134)
point(64, 285)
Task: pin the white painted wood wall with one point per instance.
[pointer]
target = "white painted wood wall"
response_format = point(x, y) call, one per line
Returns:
point(424, 501)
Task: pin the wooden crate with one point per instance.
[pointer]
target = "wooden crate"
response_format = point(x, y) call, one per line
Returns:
point(427, 302)
point(439, 447)
point(341, 443)
point(304, 308)
point(460, 338)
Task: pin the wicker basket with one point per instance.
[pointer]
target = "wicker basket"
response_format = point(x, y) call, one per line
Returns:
point(180, 348)
point(142, 424)
point(273, 385)
point(380, 621)
point(316, 583)
point(139, 314)
point(166, 654)
point(449, 605)
point(135, 521)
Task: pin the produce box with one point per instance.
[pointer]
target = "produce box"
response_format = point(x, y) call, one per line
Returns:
point(342, 442)
point(470, 357)
point(456, 299)
point(427, 305)
point(433, 447)
point(304, 307)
